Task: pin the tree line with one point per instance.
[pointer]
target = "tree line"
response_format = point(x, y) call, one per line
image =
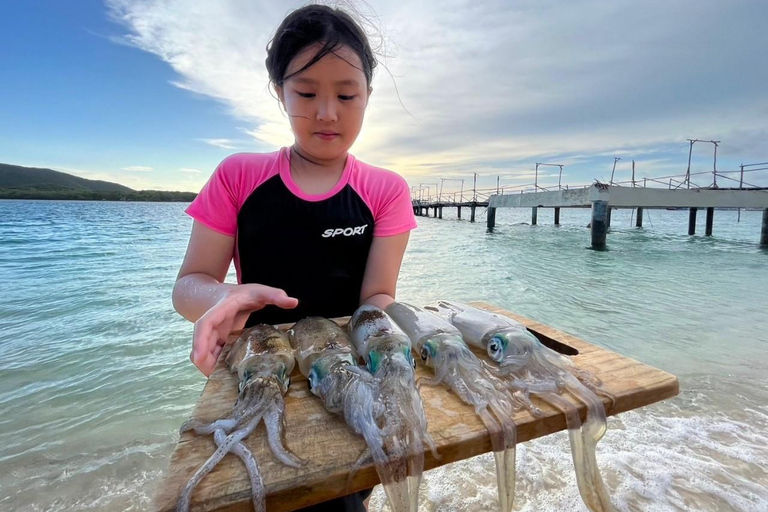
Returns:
point(89, 195)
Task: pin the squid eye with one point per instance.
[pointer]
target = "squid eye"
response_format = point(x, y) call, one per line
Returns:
point(424, 353)
point(311, 379)
point(413, 363)
point(494, 346)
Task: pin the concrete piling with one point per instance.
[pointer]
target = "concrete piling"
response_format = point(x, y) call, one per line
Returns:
point(534, 215)
point(710, 220)
point(764, 229)
point(472, 213)
point(557, 216)
point(639, 221)
point(491, 217)
point(599, 224)
point(692, 221)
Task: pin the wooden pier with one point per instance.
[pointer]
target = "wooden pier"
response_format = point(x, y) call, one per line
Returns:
point(603, 198)
point(421, 208)
point(332, 448)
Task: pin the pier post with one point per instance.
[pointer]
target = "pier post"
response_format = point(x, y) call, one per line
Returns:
point(440, 212)
point(472, 213)
point(534, 215)
point(692, 221)
point(459, 213)
point(710, 219)
point(639, 222)
point(491, 217)
point(764, 229)
point(557, 216)
point(599, 224)
point(608, 218)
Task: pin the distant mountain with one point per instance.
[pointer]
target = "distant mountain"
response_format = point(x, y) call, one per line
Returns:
point(32, 178)
point(18, 182)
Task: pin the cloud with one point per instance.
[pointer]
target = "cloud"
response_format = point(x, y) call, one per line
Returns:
point(486, 87)
point(223, 143)
point(187, 170)
point(137, 168)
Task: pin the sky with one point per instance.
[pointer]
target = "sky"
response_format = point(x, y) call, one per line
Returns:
point(153, 94)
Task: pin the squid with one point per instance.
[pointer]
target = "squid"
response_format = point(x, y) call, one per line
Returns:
point(387, 353)
point(328, 360)
point(440, 346)
point(530, 368)
point(263, 359)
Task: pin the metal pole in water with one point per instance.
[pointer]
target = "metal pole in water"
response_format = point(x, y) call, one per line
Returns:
point(764, 229)
point(599, 226)
point(459, 211)
point(557, 215)
point(608, 220)
point(491, 217)
point(710, 219)
point(472, 213)
point(639, 222)
point(692, 221)
point(534, 214)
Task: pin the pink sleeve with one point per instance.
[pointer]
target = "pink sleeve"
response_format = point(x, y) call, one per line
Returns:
point(217, 204)
point(388, 196)
point(395, 213)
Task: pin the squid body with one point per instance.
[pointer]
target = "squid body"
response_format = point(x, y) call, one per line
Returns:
point(530, 368)
point(441, 347)
point(263, 359)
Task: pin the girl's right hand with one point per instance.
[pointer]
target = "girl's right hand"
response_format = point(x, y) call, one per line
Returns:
point(213, 328)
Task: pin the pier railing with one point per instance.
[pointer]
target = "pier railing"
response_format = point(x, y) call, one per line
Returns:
point(735, 178)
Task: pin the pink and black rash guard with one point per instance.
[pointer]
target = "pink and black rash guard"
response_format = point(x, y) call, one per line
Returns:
point(315, 247)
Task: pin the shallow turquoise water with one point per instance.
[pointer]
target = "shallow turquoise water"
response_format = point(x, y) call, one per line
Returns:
point(95, 377)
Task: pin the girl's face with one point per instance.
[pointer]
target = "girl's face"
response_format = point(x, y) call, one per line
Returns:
point(326, 102)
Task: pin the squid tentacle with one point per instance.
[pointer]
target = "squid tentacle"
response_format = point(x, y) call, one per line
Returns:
point(588, 479)
point(258, 492)
point(203, 428)
point(213, 460)
point(274, 420)
point(462, 372)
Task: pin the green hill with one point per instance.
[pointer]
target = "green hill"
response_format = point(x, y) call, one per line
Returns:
point(15, 176)
point(17, 182)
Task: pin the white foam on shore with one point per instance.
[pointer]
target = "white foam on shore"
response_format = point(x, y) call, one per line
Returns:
point(650, 461)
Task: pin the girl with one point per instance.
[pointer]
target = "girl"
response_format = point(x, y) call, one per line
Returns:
point(312, 230)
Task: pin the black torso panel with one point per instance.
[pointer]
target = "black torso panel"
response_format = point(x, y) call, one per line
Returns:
point(314, 250)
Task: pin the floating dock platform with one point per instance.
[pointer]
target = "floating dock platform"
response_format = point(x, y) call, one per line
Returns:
point(332, 448)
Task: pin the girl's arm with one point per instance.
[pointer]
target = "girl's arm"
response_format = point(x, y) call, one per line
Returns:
point(217, 308)
point(381, 270)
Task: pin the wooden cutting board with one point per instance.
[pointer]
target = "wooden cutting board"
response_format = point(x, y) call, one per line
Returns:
point(331, 447)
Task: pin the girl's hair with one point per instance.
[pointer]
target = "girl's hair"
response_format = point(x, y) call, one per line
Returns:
point(314, 24)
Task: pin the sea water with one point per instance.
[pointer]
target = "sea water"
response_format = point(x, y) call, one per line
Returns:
point(95, 377)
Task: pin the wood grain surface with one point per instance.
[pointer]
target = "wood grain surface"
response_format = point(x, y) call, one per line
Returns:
point(331, 447)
